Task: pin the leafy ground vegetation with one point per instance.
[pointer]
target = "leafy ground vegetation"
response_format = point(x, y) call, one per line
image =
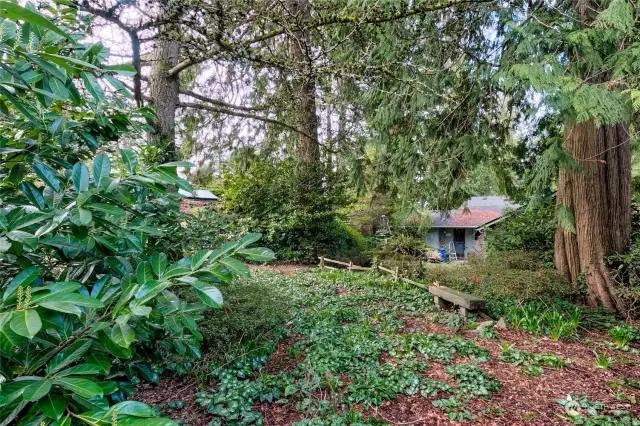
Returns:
point(358, 349)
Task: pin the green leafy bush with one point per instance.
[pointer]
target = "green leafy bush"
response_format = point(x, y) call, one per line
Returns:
point(187, 233)
point(253, 315)
point(87, 306)
point(502, 277)
point(529, 229)
point(264, 196)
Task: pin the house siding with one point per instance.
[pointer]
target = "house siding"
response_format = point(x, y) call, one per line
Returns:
point(445, 235)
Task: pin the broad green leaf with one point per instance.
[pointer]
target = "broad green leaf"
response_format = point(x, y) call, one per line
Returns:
point(85, 197)
point(177, 164)
point(114, 349)
point(91, 141)
point(18, 13)
point(82, 387)
point(26, 323)
point(36, 390)
point(13, 390)
point(67, 60)
point(47, 175)
point(101, 168)
point(159, 263)
point(132, 421)
point(54, 289)
point(65, 307)
point(80, 177)
point(33, 194)
point(224, 249)
point(69, 355)
point(144, 273)
point(235, 266)
point(48, 227)
point(100, 359)
point(200, 258)
point(59, 89)
point(129, 159)
point(60, 241)
point(81, 217)
point(75, 299)
point(175, 270)
point(133, 408)
point(92, 86)
point(209, 295)
point(140, 311)
point(22, 237)
point(24, 278)
point(122, 335)
point(9, 340)
point(122, 69)
point(48, 94)
point(82, 369)
point(249, 239)
point(127, 293)
point(29, 219)
point(149, 290)
point(108, 244)
point(53, 405)
point(24, 108)
point(258, 254)
point(117, 84)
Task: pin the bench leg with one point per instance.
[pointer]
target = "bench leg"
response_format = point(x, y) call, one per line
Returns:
point(463, 312)
point(440, 303)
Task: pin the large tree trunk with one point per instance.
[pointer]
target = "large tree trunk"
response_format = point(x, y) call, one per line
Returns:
point(600, 198)
point(304, 91)
point(164, 93)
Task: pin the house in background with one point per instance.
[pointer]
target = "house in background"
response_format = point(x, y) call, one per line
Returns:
point(196, 199)
point(464, 228)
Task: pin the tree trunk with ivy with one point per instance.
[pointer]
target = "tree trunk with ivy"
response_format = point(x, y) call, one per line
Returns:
point(599, 196)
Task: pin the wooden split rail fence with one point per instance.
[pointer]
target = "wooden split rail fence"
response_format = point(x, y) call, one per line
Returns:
point(443, 297)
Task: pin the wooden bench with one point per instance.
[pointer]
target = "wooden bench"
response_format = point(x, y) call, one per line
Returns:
point(443, 297)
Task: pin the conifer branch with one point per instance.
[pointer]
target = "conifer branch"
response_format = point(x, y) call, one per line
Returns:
point(322, 22)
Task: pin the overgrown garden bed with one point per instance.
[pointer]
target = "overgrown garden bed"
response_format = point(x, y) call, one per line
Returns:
point(354, 349)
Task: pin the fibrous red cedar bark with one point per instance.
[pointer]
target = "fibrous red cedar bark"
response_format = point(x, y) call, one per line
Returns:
point(600, 198)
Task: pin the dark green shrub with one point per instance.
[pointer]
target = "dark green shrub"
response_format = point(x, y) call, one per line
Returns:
point(530, 229)
point(264, 196)
point(187, 233)
point(253, 314)
point(502, 276)
point(87, 304)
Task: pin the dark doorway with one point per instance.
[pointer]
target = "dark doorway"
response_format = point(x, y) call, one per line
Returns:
point(458, 242)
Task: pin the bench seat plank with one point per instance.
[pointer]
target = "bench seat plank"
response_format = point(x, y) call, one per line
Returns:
point(467, 301)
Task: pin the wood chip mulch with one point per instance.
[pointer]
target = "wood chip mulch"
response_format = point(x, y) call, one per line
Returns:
point(522, 400)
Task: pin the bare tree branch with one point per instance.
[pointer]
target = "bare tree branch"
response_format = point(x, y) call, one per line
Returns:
point(227, 111)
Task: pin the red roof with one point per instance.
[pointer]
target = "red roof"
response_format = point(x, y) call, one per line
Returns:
point(466, 218)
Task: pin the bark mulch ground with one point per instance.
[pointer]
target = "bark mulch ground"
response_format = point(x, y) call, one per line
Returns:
point(522, 399)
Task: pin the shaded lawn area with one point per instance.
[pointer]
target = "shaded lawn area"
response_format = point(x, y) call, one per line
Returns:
point(358, 350)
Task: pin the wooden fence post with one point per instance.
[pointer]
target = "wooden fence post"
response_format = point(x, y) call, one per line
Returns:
point(321, 262)
point(397, 274)
point(350, 264)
